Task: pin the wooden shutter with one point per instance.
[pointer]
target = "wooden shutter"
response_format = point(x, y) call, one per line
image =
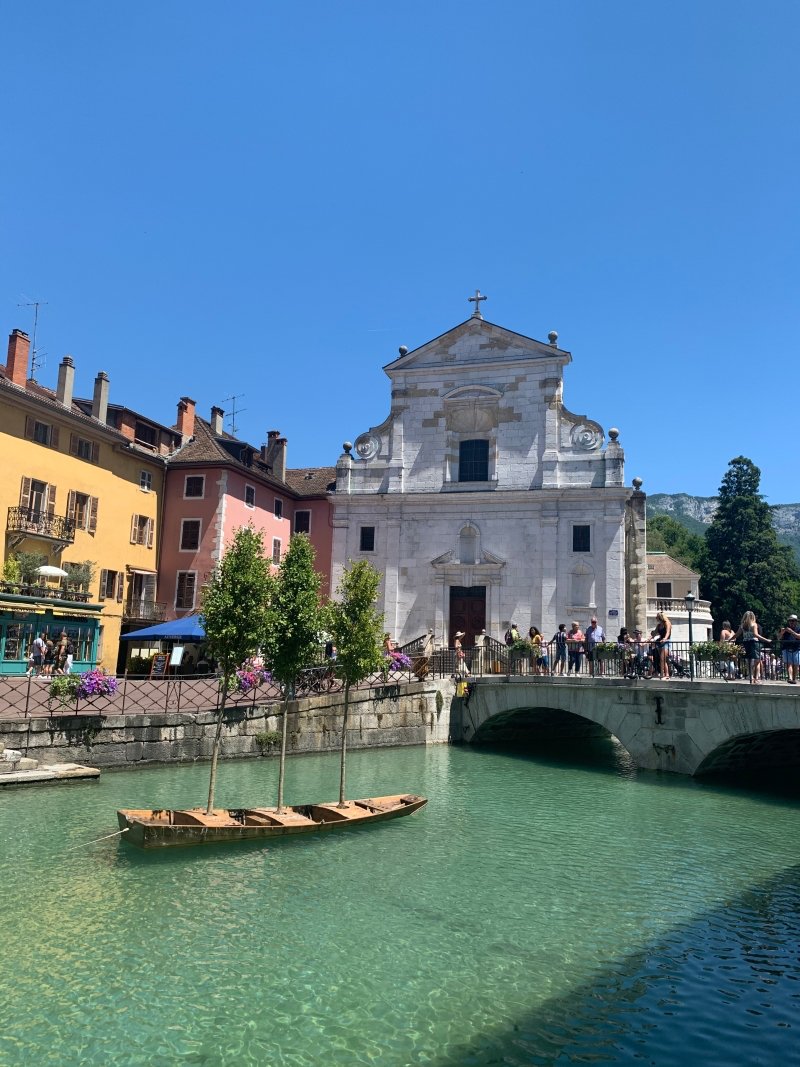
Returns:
point(93, 503)
point(25, 493)
point(71, 504)
point(95, 453)
point(149, 532)
point(188, 590)
point(103, 580)
point(54, 437)
point(29, 424)
point(134, 528)
point(51, 501)
point(73, 444)
point(120, 581)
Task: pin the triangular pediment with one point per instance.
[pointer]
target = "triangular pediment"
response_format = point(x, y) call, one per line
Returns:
point(477, 341)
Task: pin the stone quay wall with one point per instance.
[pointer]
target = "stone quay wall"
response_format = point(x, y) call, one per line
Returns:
point(382, 716)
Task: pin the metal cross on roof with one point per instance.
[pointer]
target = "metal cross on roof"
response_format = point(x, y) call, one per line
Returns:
point(476, 300)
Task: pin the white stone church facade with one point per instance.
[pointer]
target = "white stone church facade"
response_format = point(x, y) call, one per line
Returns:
point(483, 500)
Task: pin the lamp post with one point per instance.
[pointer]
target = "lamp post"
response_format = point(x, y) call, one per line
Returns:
point(689, 599)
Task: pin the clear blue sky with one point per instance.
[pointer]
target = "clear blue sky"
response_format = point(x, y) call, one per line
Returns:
point(268, 199)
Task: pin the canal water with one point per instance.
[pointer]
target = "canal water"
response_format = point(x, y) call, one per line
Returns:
point(540, 910)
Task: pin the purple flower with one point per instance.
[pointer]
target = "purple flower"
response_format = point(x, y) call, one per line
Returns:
point(96, 683)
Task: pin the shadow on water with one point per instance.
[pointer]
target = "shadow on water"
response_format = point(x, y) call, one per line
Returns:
point(723, 989)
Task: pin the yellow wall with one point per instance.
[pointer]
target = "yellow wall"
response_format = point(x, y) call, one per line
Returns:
point(113, 480)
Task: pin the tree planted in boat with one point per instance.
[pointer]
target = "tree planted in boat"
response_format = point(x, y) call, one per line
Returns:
point(357, 630)
point(234, 606)
point(293, 623)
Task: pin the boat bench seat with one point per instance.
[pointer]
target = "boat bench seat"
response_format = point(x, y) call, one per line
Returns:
point(372, 805)
point(286, 818)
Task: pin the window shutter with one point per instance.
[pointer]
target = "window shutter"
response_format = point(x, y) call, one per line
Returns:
point(150, 525)
point(120, 581)
point(73, 444)
point(51, 501)
point(95, 453)
point(54, 437)
point(29, 427)
point(190, 579)
point(93, 514)
point(71, 504)
point(134, 528)
point(25, 493)
point(103, 580)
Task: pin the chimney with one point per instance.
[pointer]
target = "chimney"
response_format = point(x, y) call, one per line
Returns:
point(66, 381)
point(279, 460)
point(17, 363)
point(217, 415)
point(100, 398)
point(186, 417)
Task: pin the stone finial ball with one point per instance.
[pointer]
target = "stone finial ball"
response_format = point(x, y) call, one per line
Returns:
point(613, 433)
point(637, 483)
point(347, 446)
point(403, 350)
point(552, 337)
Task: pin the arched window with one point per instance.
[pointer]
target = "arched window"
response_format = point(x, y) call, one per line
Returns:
point(468, 545)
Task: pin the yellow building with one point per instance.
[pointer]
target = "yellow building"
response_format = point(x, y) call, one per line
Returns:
point(81, 487)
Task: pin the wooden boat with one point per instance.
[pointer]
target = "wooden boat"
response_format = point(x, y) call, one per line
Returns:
point(167, 828)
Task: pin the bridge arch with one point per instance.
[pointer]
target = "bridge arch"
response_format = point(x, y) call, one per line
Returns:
point(752, 753)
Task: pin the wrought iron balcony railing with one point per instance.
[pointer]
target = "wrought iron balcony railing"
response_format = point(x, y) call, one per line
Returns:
point(42, 592)
point(35, 522)
point(144, 609)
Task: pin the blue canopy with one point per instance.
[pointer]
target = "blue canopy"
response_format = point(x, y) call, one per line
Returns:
point(189, 628)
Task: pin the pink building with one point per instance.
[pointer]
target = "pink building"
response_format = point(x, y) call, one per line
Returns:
point(216, 483)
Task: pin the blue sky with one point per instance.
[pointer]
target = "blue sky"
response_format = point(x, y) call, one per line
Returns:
point(268, 199)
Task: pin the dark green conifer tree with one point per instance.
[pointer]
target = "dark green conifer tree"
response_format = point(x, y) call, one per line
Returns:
point(744, 567)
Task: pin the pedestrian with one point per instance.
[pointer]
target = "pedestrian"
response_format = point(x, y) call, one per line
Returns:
point(559, 644)
point(60, 654)
point(726, 636)
point(663, 632)
point(751, 640)
point(38, 649)
point(595, 635)
point(789, 637)
point(535, 638)
point(575, 641)
point(480, 641)
point(49, 658)
point(461, 664)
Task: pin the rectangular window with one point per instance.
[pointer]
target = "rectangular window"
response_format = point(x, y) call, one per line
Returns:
point(581, 538)
point(366, 542)
point(664, 590)
point(145, 435)
point(111, 585)
point(142, 530)
point(145, 481)
point(302, 522)
point(473, 461)
point(276, 550)
point(41, 432)
point(249, 496)
point(184, 590)
point(195, 486)
point(83, 448)
point(82, 509)
point(190, 535)
point(278, 508)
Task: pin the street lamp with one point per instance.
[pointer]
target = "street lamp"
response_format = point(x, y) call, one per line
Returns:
point(689, 599)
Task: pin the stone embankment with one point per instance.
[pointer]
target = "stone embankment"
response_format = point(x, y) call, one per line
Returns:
point(415, 713)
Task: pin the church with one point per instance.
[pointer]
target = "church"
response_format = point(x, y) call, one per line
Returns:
point(483, 500)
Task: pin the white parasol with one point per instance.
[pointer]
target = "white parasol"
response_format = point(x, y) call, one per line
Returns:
point(51, 572)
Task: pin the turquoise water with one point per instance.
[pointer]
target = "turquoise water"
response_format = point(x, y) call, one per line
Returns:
point(536, 912)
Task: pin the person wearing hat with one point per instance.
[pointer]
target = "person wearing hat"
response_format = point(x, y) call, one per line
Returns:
point(789, 637)
point(461, 665)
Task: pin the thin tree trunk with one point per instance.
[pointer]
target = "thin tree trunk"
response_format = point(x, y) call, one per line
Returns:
point(212, 781)
point(282, 769)
point(344, 744)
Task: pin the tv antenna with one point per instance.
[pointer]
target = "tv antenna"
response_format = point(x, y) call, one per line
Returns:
point(35, 353)
point(233, 412)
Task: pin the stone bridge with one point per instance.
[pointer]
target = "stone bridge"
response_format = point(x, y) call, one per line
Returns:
point(684, 727)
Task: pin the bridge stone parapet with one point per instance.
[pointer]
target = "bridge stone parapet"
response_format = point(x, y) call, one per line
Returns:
point(682, 727)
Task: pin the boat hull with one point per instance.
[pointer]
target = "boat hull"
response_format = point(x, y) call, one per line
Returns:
point(154, 828)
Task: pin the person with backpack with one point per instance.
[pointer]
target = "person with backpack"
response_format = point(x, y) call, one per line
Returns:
point(37, 655)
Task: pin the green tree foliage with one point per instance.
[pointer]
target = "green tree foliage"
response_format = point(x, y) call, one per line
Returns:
point(744, 567)
point(234, 606)
point(357, 630)
point(293, 623)
point(665, 534)
point(29, 564)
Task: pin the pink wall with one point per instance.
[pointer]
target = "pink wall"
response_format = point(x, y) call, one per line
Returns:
point(321, 534)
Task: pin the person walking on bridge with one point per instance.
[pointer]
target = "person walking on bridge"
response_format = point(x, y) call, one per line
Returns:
point(752, 641)
point(789, 637)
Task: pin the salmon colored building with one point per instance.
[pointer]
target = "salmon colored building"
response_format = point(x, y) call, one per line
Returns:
point(216, 483)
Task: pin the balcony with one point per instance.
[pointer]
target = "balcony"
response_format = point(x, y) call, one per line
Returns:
point(42, 592)
point(33, 522)
point(143, 611)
